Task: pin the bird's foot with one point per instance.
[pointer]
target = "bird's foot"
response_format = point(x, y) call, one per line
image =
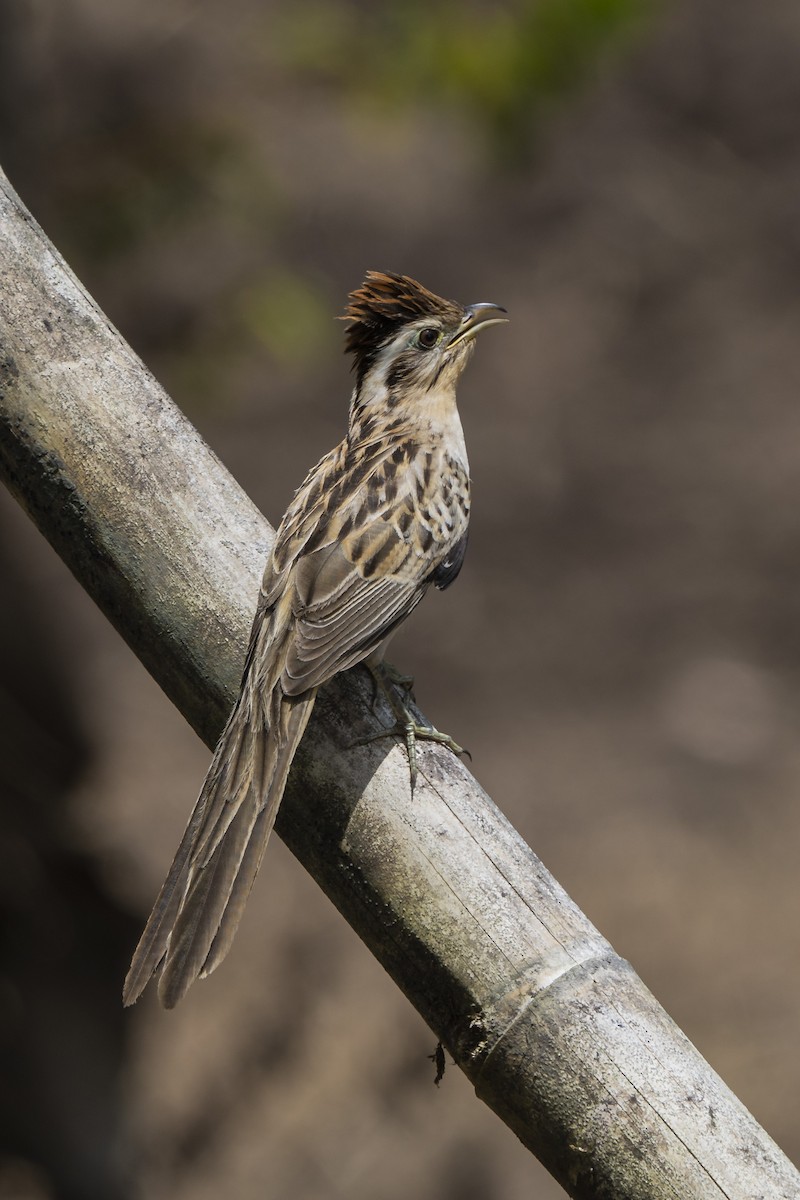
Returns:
point(388, 680)
point(411, 733)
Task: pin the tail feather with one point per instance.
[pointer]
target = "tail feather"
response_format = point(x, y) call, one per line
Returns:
point(291, 719)
point(238, 765)
point(240, 890)
point(153, 943)
point(198, 909)
point(197, 922)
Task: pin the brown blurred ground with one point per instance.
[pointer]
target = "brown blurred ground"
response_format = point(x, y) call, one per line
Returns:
point(622, 652)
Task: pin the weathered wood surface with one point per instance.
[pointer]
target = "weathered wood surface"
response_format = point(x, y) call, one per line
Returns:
point(557, 1033)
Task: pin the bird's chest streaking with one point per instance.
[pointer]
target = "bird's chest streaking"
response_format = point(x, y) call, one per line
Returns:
point(419, 498)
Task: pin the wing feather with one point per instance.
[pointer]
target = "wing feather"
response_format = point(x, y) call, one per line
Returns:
point(341, 615)
point(355, 568)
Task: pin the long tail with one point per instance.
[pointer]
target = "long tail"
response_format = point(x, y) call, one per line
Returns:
point(199, 907)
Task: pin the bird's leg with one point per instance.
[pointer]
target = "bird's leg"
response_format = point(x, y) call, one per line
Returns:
point(390, 682)
point(391, 675)
point(382, 673)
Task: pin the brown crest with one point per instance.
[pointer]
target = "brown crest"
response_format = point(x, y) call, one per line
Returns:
point(382, 304)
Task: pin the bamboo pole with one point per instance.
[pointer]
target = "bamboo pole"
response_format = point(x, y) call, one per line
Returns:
point(555, 1030)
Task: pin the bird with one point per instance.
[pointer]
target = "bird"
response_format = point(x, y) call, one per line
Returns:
point(378, 521)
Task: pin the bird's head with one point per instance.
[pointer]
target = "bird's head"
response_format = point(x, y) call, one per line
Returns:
point(404, 339)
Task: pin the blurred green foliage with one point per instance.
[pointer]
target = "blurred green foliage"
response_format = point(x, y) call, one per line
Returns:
point(496, 64)
point(132, 160)
point(289, 314)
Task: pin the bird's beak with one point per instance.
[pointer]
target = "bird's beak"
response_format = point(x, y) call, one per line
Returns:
point(477, 317)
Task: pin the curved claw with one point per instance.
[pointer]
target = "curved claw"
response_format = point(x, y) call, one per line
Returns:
point(383, 677)
point(411, 733)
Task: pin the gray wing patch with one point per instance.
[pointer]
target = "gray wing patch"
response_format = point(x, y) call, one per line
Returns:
point(341, 617)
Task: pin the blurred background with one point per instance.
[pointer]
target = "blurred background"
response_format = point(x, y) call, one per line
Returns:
point(622, 651)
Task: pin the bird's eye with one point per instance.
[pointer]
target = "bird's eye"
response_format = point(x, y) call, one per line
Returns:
point(428, 338)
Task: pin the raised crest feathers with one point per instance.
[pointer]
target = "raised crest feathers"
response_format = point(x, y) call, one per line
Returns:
point(382, 303)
